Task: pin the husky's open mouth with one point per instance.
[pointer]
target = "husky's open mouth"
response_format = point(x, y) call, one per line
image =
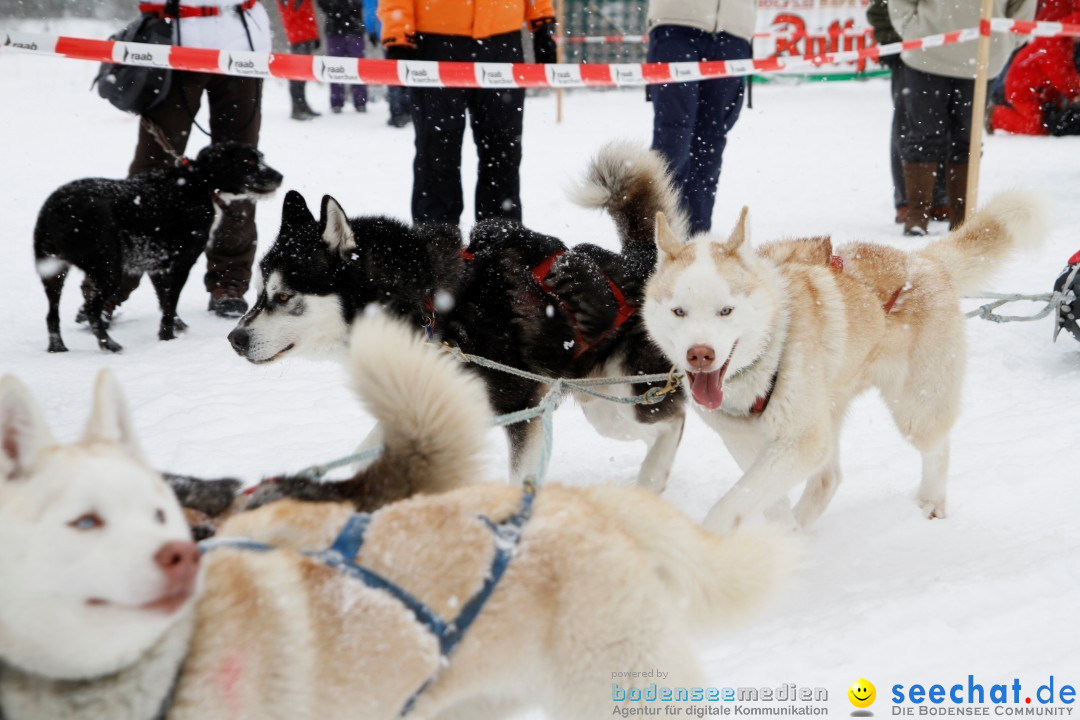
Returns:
point(708, 387)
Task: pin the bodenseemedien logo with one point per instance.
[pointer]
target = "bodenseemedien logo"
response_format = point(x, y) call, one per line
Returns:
point(862, 695)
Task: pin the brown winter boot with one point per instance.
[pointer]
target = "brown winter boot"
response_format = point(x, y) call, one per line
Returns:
point(956, 178)
point(919, 186)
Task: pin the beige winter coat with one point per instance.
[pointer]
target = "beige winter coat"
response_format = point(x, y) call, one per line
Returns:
point(918, 18)
point(736, 17)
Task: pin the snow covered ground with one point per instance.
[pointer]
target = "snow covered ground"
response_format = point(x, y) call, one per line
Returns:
point(993, 591)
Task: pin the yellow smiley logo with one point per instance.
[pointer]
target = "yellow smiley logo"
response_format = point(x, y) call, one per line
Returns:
point(862, 693)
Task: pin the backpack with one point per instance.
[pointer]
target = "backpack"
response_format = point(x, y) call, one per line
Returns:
point(137, 89)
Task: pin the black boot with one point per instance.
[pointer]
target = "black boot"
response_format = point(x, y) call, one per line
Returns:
point(227, 302)
point(1062, 118)
point(300, 109)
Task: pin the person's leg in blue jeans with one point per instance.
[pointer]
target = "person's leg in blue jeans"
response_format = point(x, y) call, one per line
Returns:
point(691, 120)
point(719, 105)
point(335, 46)
point(675, 105)
point(354, 47)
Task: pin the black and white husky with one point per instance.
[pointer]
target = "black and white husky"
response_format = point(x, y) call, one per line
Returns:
point(512, 295)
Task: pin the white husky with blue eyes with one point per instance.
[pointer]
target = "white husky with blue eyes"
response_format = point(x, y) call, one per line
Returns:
point(96, 560)
point(776, 342)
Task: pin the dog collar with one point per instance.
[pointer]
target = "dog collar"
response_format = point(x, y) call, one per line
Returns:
point(762, 401)
point(220, 202)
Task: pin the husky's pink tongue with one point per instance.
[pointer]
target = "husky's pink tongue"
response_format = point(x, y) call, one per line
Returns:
point(708, 388)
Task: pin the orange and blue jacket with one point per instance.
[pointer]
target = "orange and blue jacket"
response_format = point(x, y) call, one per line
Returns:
point(402, 20)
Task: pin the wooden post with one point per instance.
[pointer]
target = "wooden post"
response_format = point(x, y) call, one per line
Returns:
point(978, 113)
point(560, 52)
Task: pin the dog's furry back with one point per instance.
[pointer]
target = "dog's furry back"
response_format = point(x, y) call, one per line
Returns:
point(974, 252)
point(632, 183)
point(715, 581)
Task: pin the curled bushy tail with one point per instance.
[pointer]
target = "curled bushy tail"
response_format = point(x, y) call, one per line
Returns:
point(714, 580)
point(975, 251)
point(432, 413)
point(632, 184)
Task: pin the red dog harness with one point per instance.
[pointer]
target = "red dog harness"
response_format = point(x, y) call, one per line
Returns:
point(837, 263)
point(626, 308)
point(626, 311)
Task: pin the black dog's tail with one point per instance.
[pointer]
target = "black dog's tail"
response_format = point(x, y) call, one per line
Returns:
point(632, 183)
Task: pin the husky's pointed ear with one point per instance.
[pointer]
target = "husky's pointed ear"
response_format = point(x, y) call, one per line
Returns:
point(294, 211)
point(669, 245)
point(110, 420)
point(738, 240)
point(23, 432)
point(336, 231)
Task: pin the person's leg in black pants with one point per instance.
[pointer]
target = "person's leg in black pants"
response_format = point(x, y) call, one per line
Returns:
point(235, 114)
point(439, 118)
point(496, 117)
point(899, 129)
point(926, 145)
point(961, 102)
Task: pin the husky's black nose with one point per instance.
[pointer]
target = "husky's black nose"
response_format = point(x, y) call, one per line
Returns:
point(240, 339)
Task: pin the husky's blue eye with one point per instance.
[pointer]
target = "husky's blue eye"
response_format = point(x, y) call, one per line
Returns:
point(89, 521)
point(679, 312)
point(726, 310)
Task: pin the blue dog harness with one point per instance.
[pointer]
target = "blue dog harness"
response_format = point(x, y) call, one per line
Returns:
point(342, 553)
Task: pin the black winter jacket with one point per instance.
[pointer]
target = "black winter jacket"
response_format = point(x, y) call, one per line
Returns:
point(343, 17)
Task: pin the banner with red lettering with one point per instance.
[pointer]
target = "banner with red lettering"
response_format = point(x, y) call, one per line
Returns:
point(807, 28)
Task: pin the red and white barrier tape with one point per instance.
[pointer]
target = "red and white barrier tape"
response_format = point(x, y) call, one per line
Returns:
point(1036, 29)
point(419, 73)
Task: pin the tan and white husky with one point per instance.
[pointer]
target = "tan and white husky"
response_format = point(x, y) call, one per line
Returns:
point(777, 341)
point(108, 612)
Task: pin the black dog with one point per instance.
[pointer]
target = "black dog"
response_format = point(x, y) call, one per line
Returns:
point(513, 295)
point(157, 222)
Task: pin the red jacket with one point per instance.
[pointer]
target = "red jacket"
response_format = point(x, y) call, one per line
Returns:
point(1047, 66)
point(1055, 10)
point(298, 17)
point(1043, 71)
